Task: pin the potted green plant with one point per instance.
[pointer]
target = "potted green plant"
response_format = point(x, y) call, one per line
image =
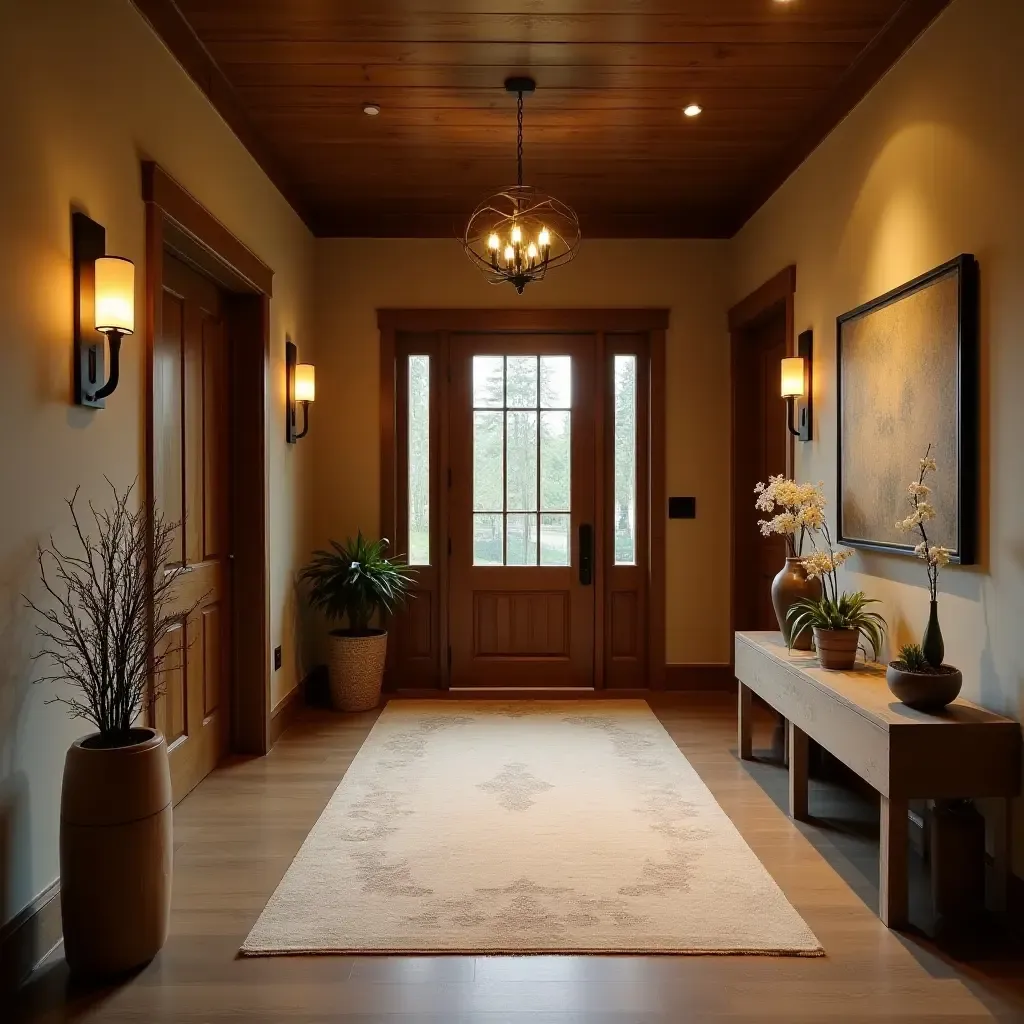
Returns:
point(919, 684)
point(104, 617)
point(837, 619)
point(356, 582)
point(797, 512)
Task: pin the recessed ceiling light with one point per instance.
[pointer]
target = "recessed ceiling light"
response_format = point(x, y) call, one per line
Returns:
point(692, 110)
point(371, 109)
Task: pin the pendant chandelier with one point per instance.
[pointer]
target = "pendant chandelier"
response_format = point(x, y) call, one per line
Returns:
point(520, 233)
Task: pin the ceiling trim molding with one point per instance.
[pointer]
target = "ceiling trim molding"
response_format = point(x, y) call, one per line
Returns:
point(171, 27)
point(879, 56)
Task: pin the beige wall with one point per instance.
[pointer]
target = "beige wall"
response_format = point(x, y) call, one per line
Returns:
point(930, 165)
point(86, 90)
point(357, 277)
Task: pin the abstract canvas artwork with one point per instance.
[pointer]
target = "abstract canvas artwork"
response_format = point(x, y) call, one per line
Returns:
point(908, 378)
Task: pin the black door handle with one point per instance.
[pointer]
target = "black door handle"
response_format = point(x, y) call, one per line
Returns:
point(586, 554)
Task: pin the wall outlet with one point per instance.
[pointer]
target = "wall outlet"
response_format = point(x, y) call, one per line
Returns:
point(278, 658)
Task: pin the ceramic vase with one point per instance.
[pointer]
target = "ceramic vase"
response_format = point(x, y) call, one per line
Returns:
point(933, 646)
point(788, 587)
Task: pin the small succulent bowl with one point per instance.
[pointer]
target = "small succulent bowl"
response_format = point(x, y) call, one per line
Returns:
point(928, 690)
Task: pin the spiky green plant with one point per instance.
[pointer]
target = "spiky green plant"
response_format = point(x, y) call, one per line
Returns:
point(355, 581)
point(843, 611)
point(912, 659)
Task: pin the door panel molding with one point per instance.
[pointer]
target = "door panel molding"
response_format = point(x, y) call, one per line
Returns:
point(430, 331)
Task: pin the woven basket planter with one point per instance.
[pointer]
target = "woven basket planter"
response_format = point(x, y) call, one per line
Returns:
point(356, 669)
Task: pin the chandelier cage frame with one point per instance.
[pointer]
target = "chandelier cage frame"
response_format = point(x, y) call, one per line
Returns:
point(519, 233)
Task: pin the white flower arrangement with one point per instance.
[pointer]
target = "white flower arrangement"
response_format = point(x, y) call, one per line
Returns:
point(798, 510)
point(922, 511)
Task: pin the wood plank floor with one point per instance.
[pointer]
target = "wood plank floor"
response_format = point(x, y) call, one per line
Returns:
point(236, 835)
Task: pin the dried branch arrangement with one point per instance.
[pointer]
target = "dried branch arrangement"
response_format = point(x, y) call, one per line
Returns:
point(97, 631)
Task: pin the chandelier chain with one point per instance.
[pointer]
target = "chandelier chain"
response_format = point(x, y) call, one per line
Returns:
point(519, 140)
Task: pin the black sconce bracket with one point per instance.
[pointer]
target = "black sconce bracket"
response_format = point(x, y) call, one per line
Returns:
point(291, 360)
point(803, 429)
point(88, 244)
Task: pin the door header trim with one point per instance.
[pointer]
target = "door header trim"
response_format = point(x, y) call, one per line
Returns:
point(533, 320)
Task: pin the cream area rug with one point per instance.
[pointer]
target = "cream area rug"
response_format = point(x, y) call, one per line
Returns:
point(526, 827)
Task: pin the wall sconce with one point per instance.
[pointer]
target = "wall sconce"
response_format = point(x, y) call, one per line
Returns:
point(105, 303)
point(301, 385)
point(797, 384)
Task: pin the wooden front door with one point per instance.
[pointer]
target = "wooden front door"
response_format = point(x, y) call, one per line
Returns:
point(191, 417)
point(522, 506)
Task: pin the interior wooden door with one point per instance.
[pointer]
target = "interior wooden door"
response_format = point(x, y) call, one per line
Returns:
point(191, 418)
point(762, 437)
point(521, 510)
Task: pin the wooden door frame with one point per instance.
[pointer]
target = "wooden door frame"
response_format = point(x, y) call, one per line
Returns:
point(599, 322)
point(778, 291)
point(177, 222)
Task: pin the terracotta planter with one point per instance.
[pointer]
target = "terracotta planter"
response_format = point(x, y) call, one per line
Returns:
point(925, 691)
point(115, 854)
point(837, 648)
point(792, 585)
point(356, 669)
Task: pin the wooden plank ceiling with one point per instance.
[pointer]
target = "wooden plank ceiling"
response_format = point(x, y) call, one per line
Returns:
point(604, 132)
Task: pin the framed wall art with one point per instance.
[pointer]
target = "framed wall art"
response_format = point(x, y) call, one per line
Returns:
point(908, 377)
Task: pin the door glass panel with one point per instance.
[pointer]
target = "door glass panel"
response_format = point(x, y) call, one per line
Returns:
point(488, 455)
point(521, 382)
point(521, 542)
point(554, 539)
point(625, 460)
point(521, 461)
point(488, 382)
point(556, 382)
point(419, 460)
point(555, 465)
point(487, 539)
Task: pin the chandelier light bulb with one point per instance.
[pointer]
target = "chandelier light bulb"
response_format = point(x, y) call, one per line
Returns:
point(509, 253)
point(493, 242)
point(531, 252)
point(545, 238)
point(517, 235)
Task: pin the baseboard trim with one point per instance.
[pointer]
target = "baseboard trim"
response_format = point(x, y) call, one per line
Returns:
point(700, 677)
point(28, 937)
point(284, 713)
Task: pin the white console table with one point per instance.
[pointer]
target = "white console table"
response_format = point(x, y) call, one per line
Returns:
point(964, 751)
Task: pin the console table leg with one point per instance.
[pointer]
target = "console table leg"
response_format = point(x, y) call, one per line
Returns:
point(744, 722)
point(892, 863)
point(798, 771)
point(997, 821)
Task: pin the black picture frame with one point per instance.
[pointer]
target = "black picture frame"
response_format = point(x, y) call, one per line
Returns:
point(965, 269)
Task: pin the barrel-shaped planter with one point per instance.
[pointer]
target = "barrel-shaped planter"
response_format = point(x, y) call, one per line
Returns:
point(115, 853)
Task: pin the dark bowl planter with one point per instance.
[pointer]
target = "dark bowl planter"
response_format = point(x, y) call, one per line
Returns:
point(924, 691)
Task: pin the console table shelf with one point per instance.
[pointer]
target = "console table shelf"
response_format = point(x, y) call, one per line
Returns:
point(964, 751)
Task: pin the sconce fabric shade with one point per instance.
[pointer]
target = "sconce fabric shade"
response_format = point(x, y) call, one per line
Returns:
point(793, 377)
point(115, 295)
point(305, 382)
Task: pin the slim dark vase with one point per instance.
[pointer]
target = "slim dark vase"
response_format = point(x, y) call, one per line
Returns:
point(934, 648)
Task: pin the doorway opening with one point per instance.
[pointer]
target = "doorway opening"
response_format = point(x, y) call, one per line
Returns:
point(761, 330)
point(208, 330)
point(519, 480)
